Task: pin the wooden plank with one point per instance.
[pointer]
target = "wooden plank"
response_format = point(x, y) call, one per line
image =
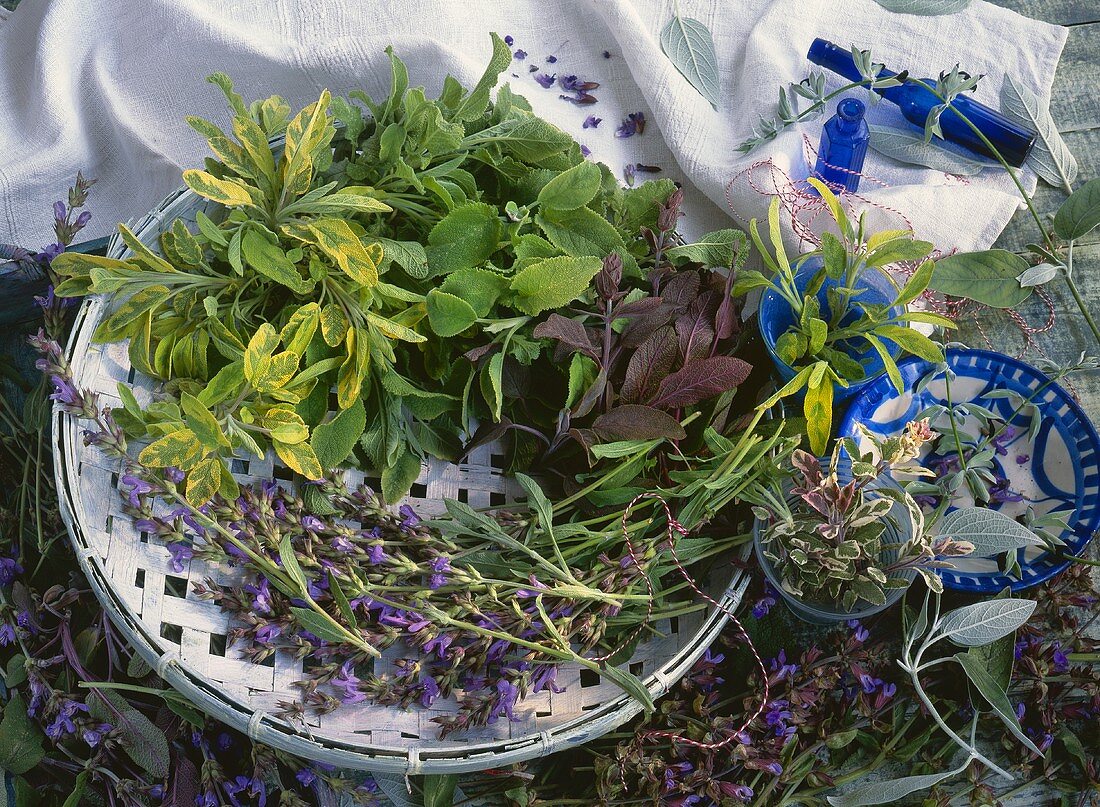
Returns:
point(1059, 12)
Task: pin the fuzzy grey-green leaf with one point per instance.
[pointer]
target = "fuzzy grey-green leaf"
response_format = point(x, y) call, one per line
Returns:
point(690, 47)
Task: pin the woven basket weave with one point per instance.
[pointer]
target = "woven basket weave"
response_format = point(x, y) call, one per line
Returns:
point(184, 638)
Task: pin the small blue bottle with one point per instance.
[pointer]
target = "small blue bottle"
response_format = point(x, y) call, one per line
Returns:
point(843, 146)
point(1010, 139)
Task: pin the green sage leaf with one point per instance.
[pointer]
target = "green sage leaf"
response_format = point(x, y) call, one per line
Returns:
point(1080, 213)
point(553, 283)
point(987, 277)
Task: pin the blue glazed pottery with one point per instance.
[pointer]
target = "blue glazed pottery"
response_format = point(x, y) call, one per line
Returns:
point(1056, 469)
point(776, 317)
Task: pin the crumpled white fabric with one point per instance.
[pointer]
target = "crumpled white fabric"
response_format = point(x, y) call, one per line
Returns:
point(104, 87)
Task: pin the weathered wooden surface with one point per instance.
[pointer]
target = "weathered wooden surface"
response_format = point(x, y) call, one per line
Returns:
point(1075, 104)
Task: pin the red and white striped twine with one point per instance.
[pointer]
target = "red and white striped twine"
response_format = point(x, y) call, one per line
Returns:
point(803, 207)
point(674, 525)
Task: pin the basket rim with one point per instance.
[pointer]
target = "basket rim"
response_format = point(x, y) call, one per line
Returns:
point(278, 732)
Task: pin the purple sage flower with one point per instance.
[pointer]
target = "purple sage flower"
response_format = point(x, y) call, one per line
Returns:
point(349, 683)
point(632, 124)
point(181, 553)
point(429, 691)
point(545, 81)
point(520, 54)
point(409, 518)
point(9, 570)
point(138, 488)
point(591, 122)
point(94, 736)
point(505, 701)
point(1061, 661)
point(859, 633)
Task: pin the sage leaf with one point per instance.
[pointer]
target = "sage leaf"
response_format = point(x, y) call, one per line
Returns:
point(818, 408)
point(226, 192)
point(473, 106)
point(1050, 157)
point(995, 696)
point(478, 287)
point(528, 138)
point(698, 380)
point(714, 249)
point(179, 449)
point(911, 341)
point(630, 684)
point(1038, 275)
point(183, 787)
point(924, 8)
point(635, 422)
point(464, 238)
point(573, 188)
point(409, 255)
point(357, 260)
point(270, 261)
point(909, 147)
point(553, 283)
point(985, 622)
point(143, 742)
point(888, 792)
point(77, 794)
point(398, 477)
point(447, 314)
point(580, 232)
point(987, 277)
point(20, 739)
point(1080, 213)
point(690, 47)
point(990, 531)
point(439, 789)
point(299, 457)
point(317, 625)
point(333, 441)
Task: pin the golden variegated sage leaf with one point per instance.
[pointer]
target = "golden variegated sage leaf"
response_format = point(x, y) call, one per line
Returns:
point(179, 449)
point(336, 239)
point(334, 324)
point(257, 356)
point(300, 458)
point(285, 425)
point(202, 422)
point(223, 191)
point(299, 329)
point(203, 481)
point(279, 370)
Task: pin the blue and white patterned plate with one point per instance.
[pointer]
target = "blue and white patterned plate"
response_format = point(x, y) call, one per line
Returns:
point(1058, 470)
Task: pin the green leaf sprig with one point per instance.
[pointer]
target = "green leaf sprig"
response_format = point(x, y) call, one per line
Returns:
point(825, 347)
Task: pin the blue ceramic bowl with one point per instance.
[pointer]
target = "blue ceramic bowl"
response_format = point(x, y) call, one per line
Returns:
point(1058, 470)
point(776, 317)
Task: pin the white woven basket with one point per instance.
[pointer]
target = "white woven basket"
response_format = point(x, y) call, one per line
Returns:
point(184, 638)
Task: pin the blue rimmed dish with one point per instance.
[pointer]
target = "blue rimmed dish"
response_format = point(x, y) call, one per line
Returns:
point(1054, 468)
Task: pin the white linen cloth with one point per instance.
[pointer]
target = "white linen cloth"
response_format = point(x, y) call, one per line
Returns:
point(103, 87)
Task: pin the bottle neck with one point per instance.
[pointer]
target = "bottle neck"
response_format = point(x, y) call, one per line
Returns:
point(835, 58)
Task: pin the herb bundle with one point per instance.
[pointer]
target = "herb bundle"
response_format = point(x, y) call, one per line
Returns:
point(402, 258)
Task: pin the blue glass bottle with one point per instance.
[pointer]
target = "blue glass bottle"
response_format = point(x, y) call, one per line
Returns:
point(843, 146)
point(1010, 139)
